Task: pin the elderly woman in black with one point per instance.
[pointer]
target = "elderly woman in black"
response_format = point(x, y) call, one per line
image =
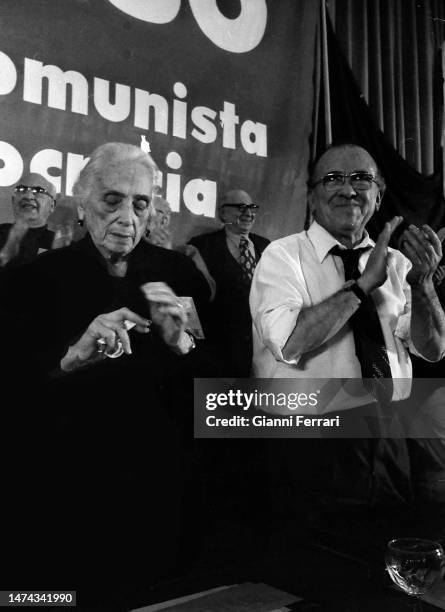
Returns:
point(119, 447)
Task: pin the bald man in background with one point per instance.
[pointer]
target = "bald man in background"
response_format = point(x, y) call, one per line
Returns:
point(231, 255)
point(33, 201)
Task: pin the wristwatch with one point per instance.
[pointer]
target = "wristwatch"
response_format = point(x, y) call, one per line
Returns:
point(351, 285)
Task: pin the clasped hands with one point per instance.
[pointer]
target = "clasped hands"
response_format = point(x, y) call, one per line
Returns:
point(420, 245)
point(166, 312)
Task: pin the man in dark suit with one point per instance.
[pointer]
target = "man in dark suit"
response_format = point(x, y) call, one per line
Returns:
point(231, 255)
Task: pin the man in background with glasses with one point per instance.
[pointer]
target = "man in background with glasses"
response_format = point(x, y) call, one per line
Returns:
point(33, 201)
point(330, 303)
point(231, 255)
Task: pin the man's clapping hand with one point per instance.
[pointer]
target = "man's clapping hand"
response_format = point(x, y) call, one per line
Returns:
point(376, 270)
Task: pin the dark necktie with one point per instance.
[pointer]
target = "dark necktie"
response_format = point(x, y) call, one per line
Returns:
point(368, 335)
point(246, 259)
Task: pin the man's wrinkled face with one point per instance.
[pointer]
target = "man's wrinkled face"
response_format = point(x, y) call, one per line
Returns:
point(33, 200)
point(162, 218)
point(345, 210)
point(236, 212)
point(118, 208)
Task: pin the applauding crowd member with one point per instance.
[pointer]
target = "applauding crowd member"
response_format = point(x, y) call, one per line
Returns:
point(33, 201)
point(309, 286)
point(330, 303)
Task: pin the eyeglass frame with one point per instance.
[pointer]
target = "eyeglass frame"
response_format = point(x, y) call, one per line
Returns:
point(344, 176)
point(242, 207)
point(36, 190)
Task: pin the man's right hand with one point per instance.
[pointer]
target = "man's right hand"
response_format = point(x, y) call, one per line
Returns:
point(376, 271)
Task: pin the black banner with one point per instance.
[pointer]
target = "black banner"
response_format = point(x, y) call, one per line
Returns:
point(222, 91)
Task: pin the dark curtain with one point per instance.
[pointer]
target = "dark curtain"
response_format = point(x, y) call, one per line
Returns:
point(418, 198)
point(393, 48)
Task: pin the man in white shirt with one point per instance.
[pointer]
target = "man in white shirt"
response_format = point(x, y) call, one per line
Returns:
point(302, 308)
point(305, 309)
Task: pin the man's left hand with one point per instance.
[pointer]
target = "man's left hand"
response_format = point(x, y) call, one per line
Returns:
point(423, 248)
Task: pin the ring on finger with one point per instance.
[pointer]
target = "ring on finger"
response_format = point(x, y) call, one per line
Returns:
point(112, 353)
point(116, 352)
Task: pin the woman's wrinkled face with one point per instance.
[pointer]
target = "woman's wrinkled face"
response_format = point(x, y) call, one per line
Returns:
point(118, 208)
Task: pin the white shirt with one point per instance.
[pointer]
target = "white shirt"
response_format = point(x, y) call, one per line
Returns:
point(298, 272)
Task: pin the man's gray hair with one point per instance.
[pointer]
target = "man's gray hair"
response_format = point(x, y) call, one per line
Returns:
point(112, 155)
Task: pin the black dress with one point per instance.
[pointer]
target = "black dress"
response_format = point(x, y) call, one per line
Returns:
point(108, 449)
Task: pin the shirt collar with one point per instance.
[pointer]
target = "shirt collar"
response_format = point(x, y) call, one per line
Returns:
point(323, 241)
point(235, 238)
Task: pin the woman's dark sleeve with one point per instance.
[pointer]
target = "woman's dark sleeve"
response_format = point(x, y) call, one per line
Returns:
point(31, 304)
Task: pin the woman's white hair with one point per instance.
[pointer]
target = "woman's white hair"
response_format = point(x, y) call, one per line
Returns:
point(112, 155)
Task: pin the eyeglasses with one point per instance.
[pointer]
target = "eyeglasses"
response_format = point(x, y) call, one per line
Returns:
point(361, 181)
point(35, 190)
point(243, 207)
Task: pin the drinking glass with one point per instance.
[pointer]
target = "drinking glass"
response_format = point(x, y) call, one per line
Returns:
point(415, 565)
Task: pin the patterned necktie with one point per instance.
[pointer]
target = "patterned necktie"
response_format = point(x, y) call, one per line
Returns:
point(246, 259)
point(368, 335)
